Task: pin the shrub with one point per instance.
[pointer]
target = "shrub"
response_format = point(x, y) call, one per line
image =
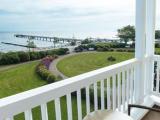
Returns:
point(118, 45)
point(111, 50)
point(132, 45)
point(156, 53)
point(34, 56)
point(111, 58)
point(47, 61)
point(42, 54)
point(157, 45)
point(23, 56)
point(17, 57)
point(42, 69)
point(51, 52)
point(59, 77)
point(51, 78)
point(45, 74)
point(9, 58)
point(100, 49)
point(130, 50)
point(105, 48)
point(92, 46)
point(80, 48)
point(73, 43)
point(62, 51)
point(121, 50)
point(1, 54)
point(86, 41)
point(55, 56)
point(110, 45)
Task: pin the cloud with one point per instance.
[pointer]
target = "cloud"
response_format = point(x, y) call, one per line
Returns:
point(67, 16)
point(5, 12)
point(36, 6)
point(82, 17)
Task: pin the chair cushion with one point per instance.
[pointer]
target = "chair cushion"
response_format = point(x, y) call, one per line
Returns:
point(107, 115)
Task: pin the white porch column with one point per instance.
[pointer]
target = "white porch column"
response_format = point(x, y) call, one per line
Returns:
point(140, 49)
point(150, 45)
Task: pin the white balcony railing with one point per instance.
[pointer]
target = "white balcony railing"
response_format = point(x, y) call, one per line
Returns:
point(114, 83)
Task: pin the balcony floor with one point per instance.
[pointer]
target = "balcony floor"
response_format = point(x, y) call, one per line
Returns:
point(151, 115)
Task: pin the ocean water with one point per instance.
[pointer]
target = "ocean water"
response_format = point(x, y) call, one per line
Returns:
point(9, 37)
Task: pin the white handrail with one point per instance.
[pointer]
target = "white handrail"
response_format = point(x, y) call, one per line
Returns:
point(32, 98)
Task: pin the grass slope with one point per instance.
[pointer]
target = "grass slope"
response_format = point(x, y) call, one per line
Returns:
point(18, 79)
point(84, 62)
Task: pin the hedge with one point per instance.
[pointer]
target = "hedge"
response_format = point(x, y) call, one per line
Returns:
point(9, 58)
point(18, 57)
point(43, 69)
point(157, 45)
point(100, 47)
point(45, 74)
point(111, 58)
point(23, 56)
point(111, 45)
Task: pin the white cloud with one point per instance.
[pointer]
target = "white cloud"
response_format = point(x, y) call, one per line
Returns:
point(94, 17)
point(38, 5)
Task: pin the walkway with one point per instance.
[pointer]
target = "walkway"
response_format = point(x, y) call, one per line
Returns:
point(53, 65)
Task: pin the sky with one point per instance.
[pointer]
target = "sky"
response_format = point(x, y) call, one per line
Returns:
point(81, 18)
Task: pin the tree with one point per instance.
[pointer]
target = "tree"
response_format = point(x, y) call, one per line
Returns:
point(157, 34)
point(86, 41)
point(73, 43)
point(1, 52)
point(30, 44)
point(127, 33)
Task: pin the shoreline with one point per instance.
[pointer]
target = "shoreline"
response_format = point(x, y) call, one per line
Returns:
point(40, 49)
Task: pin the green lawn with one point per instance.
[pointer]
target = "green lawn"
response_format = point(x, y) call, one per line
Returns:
point(19, 78)
point(157, 50)
point(22, 77)
point(84, 62)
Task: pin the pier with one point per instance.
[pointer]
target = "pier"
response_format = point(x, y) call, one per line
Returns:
point(18, 45)
point(54, 40)
point(46, 38)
